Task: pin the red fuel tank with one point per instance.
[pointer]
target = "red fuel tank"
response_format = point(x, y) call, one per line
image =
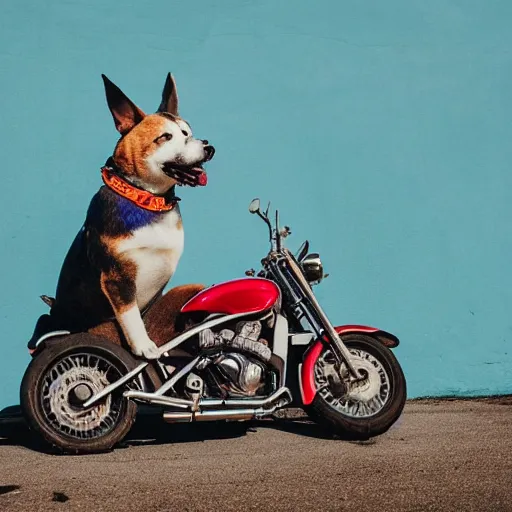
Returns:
point(247, 295)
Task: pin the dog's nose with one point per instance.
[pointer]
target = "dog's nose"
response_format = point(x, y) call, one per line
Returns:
point(205, 142)
point(209, 151)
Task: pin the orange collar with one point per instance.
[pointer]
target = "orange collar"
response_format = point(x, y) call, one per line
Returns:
point(140, 197)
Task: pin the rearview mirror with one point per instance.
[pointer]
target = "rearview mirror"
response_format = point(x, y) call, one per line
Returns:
point(254, 207)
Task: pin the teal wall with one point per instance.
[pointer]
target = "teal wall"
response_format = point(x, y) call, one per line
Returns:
point(382, 130)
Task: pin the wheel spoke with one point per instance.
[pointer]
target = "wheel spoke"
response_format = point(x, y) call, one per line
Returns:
point(362, 399)
point(61, 405)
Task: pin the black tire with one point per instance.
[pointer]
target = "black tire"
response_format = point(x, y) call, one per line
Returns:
point(363, 428)
point(34, 407)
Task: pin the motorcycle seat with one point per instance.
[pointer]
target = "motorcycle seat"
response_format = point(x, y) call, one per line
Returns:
point(160, 317)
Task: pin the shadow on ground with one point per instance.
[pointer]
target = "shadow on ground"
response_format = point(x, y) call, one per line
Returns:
point(150, 429)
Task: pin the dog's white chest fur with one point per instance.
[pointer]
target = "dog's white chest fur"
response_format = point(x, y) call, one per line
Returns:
point(155, 249)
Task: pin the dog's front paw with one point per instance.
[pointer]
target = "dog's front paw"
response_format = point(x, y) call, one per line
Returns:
point(146, 349)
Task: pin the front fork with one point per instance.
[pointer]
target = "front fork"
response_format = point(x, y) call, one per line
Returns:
point(339, 349)
point(326, 329)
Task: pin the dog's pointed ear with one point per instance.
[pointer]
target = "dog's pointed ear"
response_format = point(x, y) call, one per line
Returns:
point(125, 113)
point(169, 97)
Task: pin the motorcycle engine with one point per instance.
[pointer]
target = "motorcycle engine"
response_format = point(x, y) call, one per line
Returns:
point(242, 377)
point(238, 369)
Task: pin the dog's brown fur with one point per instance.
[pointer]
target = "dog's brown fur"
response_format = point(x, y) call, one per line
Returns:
point(160, 320)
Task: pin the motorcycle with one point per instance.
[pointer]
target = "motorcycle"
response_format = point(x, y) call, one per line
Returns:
point(250, 347)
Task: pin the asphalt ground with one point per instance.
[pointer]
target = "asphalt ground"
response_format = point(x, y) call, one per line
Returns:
point(446, 455)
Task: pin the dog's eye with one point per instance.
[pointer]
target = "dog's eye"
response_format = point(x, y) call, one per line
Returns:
point(184, 133)
point(162, 138)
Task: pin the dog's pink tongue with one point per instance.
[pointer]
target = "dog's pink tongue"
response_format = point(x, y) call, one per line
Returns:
point(202, 180)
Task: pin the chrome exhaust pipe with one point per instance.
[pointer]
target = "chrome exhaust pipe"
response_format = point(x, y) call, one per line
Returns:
point(207, 404)
point(183, 417)
point(233, 413)
point(258, 402)
point(178, 417)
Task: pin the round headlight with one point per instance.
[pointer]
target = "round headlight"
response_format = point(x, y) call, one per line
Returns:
point(312, 268)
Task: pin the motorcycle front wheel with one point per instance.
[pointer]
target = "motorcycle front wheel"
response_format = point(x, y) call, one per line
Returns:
point(64, 376)
point(364, 409)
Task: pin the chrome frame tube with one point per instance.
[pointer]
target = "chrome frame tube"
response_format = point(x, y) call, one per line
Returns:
point(176, 376)
point(162, 350)
point(111, 387)
point(154, 399)
point(197, 329)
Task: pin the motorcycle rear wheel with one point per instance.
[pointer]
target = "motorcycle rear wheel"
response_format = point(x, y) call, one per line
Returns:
point(365, 410)
point(66, 374)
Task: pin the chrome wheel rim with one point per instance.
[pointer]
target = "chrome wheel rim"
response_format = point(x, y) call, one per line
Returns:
point(357, 400)
point(68, 384)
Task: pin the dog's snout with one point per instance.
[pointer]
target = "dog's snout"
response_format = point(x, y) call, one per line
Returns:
point(209, 151)
point(205, 142)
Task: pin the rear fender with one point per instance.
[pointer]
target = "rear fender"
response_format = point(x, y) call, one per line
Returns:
point(44, 340)
point(307, 368)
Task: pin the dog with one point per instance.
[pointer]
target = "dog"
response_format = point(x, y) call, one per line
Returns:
point(132, 239)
